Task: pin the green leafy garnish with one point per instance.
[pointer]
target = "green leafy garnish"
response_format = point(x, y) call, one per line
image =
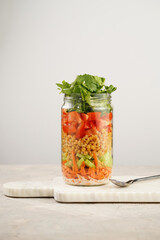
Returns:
point(86, 86)
point(110, 89)
point(64, 87)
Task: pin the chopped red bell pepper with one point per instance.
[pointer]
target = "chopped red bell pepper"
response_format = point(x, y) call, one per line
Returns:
point(64, 116)
point(91, 131)
point(100, 124)
point(64, 113)
point(86, 125)
point(69, 128)
point(93, 124)
point(81, 123)
point(109, 128)
point(64, 120)
point(74, 116)
point(84, 117)
point(65, 127)
point(107, 116)
point(80, 130)
point(93, 116)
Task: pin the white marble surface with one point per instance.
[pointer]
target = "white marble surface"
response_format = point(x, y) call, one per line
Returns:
point(145, 191)
point(29, 189)
point(44, 218)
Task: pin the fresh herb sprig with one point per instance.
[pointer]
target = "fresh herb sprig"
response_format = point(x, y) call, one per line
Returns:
point(85, 85)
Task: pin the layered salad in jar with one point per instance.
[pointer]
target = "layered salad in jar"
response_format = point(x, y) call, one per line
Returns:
point(87, 131)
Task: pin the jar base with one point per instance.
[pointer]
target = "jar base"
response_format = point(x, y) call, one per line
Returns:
point(81, 181)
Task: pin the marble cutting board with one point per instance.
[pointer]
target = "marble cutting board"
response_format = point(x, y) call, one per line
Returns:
point(147, 191)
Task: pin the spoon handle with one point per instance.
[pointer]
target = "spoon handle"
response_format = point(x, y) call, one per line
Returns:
point(146, 178)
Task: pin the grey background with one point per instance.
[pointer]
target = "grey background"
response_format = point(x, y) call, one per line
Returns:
point(44, 42)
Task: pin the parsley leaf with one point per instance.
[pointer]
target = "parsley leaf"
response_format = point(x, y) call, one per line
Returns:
point(85, 85)
point(64, 87)
point(110, 89)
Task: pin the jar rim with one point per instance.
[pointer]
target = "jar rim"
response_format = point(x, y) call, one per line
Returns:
point(92, 96)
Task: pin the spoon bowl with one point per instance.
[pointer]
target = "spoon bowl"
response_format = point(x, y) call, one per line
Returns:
point(128, 183)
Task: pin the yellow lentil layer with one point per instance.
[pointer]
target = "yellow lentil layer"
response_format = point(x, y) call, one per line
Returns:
point(100, 143)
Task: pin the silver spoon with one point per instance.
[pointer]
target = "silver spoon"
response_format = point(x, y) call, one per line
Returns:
point(126, 184)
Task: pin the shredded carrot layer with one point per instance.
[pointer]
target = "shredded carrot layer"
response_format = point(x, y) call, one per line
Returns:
point(75, 168)
point(87, 173)
point(96, 162)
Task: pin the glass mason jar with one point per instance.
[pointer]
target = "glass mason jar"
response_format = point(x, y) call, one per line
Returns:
point(87, 139)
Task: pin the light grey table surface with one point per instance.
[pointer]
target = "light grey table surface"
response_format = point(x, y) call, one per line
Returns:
point(43, 218)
